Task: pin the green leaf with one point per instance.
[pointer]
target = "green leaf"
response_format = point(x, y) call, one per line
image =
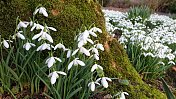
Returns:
point(73, 93)
point(169, 94)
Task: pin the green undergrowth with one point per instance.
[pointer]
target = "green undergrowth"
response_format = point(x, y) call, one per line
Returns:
point(70, 16)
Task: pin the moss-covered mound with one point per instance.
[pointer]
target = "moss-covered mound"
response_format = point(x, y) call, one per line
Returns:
point(70, 16)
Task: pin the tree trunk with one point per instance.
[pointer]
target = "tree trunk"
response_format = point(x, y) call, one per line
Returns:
point(69, 16)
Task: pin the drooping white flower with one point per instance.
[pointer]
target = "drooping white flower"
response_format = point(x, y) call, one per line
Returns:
point(68, 53)
point(81, 50)
point(28, 45)
point(51, 28)
point(43, 35)
point(54, 75)
point(22, 24)
point(92, 84)
point(60, 46)
point(92, 33)
point(171, 63)
point(52, 60)
point(84, 38)
point(104, 81)
point(19, 35)
point(94, 50)
point(41, 10)
point(5, 43)
point(75, 62)
point(99, 46)
point(95, 29)
point(37, 27)
point(96, 56)
point(170, 56)
point(44, 46)
point(96, 66)
point(122, 95)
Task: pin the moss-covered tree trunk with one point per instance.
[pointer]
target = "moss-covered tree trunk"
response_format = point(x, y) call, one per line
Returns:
point(69, 16)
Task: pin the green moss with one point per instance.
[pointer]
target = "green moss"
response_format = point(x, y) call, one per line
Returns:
point(70, 16)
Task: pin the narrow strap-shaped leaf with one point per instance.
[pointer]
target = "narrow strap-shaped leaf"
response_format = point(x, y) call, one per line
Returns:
point(73, 93)
point(169, 94)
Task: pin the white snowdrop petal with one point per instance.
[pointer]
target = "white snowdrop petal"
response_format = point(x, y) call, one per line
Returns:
point(125, 93)
point(80, 43)
point(81, 63)
point(5, 43)
point(107, 78)
point(27, 46)
point(35, 12)
point(94, 67)
point(92, 86)
point(53, 78)
point(98, 80)
point(90, 41)
point(85, 51)
point(104, 82)
point(49, 38)
point(51, 61)
point(51, 28)
point(36, 36)
point(19, 35)
point(58, 59)
point(68, 53)
point(60, 72)
point(74, 52)
point(96, 56)
point(70, 65)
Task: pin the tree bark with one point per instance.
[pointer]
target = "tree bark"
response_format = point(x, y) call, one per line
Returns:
point(69, 16)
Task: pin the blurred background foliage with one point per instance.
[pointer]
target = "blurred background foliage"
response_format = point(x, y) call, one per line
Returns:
point(168, 6)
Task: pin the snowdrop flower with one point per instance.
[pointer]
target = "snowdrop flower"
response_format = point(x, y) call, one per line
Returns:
point(52, 60)
point(5, 43)
point(81, 50)
point(54, 75)
point(84, 38)
point(22, 24)
point(96, 56)
point(104, 81)
point(68, 53)
point(171, 62)
point(161, 63)
point(170, 56)
point(37, 26)
point(28, 45)
point(92, 33)
point(60, 46)
point(122, 95)
point(94, 50)
point(19, 35)
point(91, 85)
point(50, 28)
point(75, 62)
point(41, 10)
point(95, 29)
point(44, 46)
point(95, 66)
point(43, 35)
point(99, 46)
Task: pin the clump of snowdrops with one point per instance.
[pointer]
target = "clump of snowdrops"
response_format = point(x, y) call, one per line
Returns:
point(149, 43)
point(30, 58)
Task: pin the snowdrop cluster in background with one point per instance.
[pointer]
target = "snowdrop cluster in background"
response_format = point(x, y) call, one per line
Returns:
point(154, 38)
point(68, 69)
